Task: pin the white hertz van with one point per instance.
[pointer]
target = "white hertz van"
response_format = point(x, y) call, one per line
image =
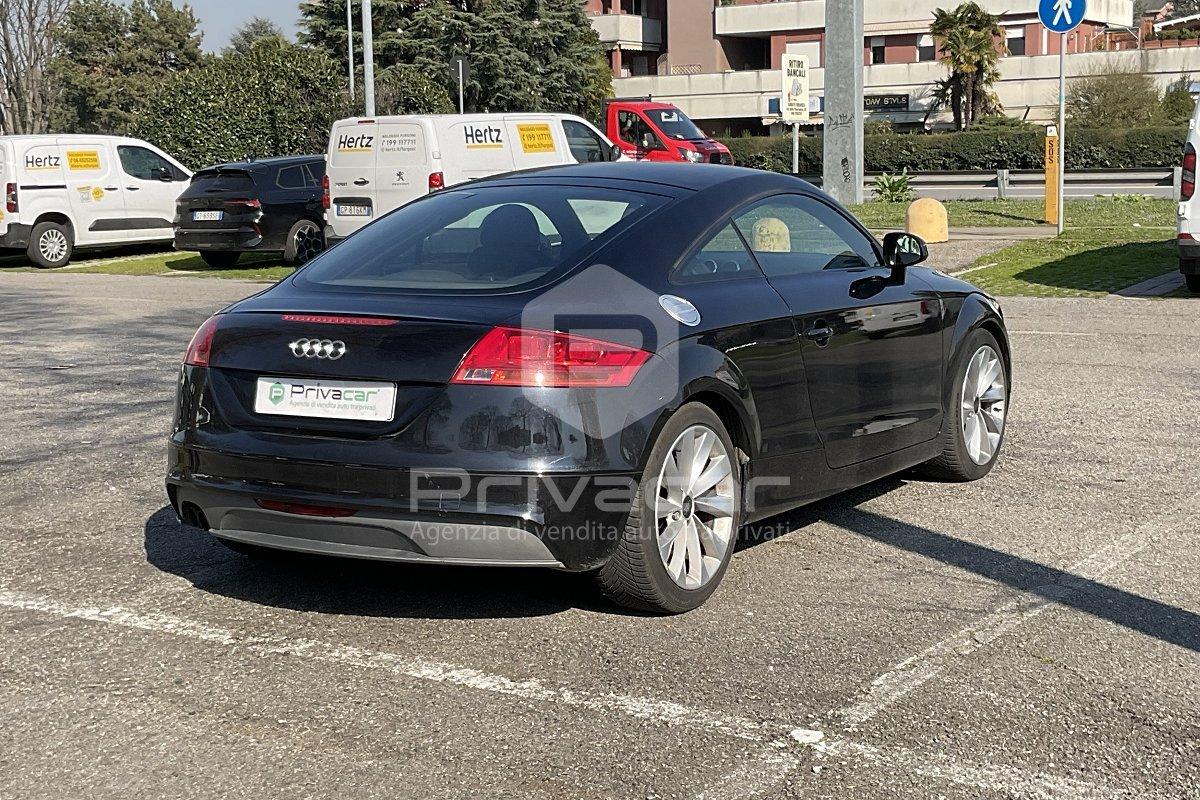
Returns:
point(63, 192)
point(377, 165)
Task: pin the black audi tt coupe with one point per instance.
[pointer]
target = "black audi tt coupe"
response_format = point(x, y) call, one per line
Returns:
point(601, 368)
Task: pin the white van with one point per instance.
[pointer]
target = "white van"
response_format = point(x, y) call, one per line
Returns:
point(376, 165)
point(63, 192)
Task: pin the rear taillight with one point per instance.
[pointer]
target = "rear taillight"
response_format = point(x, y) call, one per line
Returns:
point(515, 357)
point(325, 192)
point(10, 197)
point(1189, 173)
point(200, 348)
point(248, 202)
point(436, 181)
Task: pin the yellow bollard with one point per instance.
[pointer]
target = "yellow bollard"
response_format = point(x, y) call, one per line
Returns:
point(928, 219)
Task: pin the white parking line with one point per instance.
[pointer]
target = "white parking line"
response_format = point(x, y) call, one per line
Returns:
point(643, 708)
point(778, 757)
point(917, 670)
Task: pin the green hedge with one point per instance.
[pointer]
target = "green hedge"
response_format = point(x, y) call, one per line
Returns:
point(1137, 148)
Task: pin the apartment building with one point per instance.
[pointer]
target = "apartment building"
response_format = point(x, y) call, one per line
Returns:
point(728, 54)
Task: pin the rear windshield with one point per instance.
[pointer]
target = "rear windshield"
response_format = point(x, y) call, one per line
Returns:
point(222, 180)
point(479, 239)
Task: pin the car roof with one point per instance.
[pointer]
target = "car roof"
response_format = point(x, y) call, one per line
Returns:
point(264, 163)
point(694, 177)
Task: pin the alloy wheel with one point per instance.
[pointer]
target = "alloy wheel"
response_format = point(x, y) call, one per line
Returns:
point(309, 243)
point(52, 244)
point(984, 405)
point(694, 507)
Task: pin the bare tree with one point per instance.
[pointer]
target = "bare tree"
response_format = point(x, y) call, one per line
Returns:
point(26, 47)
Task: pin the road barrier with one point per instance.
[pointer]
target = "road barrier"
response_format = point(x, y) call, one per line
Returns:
point(1030, 184)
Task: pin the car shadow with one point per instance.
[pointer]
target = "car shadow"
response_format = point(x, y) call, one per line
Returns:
point(380, 589)
point(357, 587)
point(1147, 616)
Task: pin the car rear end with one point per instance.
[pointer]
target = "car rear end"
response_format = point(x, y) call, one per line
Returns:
point(338, 414)
point(13, 234)
point(221, 210)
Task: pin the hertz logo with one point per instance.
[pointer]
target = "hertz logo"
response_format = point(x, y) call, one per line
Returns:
point(361, 143)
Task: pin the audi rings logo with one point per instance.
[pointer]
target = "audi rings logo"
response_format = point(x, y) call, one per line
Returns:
point(318, 348)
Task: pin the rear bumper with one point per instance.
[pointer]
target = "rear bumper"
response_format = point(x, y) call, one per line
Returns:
point(237, 239)
point(16, 236)
point(370, 534)
point(568, 522)
point(1189, 256)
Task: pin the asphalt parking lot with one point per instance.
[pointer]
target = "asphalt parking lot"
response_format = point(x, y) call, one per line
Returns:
point(1035, 635)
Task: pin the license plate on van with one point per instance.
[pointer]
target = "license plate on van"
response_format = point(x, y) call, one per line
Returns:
point(207, 216)
point(297, 397)
point(353, 211)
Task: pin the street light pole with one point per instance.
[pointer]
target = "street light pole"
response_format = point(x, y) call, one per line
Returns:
point(350, 45)
point(368, 60)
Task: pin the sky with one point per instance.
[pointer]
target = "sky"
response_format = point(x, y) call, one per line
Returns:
point(220, 18)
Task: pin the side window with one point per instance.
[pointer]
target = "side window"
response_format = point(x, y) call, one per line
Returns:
point(138, 162)
point(291, 177)
point(792, 234)
point(586, 146)
point(723, 256)
point(313, 175)
point(634, 130)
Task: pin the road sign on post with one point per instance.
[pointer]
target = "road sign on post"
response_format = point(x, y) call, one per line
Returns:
point(1053, 172)
point(1061, 17)
point(843, 173)
point(793, 104)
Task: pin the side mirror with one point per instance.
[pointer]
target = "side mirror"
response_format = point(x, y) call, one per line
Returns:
point(614, 152)
point(649, 142)
point(160, 174)
point(901, 251)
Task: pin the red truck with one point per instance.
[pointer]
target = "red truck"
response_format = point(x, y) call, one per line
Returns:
point(650, 131)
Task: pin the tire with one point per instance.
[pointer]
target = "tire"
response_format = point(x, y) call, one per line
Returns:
point(220, 259)
point(959, 460)
point(1193, 283)
point(51, 245)
point(305, 241)
point(637, 576)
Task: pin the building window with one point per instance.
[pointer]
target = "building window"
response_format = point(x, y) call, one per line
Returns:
point(878, 50)
point(926, 49)
point(1016, 41)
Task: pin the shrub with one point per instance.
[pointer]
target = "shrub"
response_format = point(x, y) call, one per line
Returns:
point(1114, 97)
point(1136, 148)
point(277, 99)
point(894, 188)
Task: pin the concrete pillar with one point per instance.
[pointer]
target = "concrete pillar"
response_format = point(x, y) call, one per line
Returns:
point(843, 176)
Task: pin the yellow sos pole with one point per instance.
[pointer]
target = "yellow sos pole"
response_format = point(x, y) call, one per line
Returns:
point(1053, 172)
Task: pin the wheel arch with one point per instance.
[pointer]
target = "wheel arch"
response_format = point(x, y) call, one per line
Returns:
point(56, 217)
point(980, 312)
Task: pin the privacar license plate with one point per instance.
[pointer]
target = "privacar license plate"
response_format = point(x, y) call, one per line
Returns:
point(353, 211)
point(298, 397)
point(207, 216)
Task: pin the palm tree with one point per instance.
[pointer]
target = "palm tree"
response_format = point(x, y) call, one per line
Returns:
point(972, 42)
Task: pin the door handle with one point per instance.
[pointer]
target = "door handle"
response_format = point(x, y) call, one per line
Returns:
point(361, 182)
point(821, 334)
point(111, 188)
point(128, 189)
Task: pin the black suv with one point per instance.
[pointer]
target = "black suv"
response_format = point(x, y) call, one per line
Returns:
point(268, 205)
